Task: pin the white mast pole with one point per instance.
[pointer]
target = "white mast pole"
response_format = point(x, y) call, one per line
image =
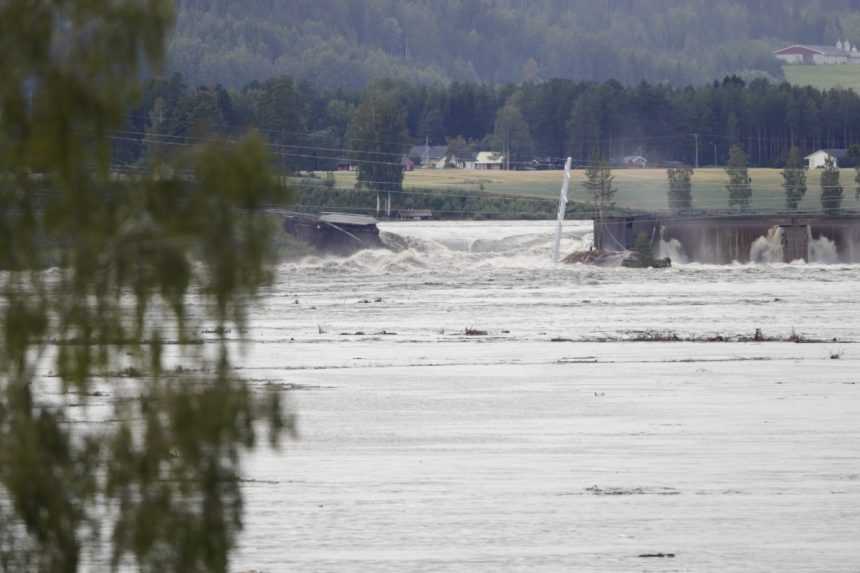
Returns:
point(562, 210)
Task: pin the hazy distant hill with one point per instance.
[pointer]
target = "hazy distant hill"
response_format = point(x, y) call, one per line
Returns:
point(345, 43)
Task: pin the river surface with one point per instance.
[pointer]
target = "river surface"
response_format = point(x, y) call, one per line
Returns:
point(594, 416)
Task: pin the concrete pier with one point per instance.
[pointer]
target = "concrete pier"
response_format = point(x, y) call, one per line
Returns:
point(723, 239)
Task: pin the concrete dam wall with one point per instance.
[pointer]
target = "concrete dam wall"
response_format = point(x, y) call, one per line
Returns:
point(724, 239)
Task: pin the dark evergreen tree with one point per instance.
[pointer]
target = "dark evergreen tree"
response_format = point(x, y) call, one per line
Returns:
point(740, 184)
point(857, 182)
point(680, 188)
point(585, 125)
point(831, 188)
point(512, 136)
point(794, 179)
point(279, 112)
point(378, 139)
point(854, 153)
point(599, 182)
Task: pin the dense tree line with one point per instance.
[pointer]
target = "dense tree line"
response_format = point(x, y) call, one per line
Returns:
point(316, 129)
point(346, 43)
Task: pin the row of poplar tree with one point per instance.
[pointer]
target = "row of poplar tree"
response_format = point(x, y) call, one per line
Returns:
point(600, 183)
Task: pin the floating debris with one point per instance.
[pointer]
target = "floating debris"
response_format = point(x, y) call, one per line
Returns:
point(672, 336)
point(612, 491)
point(630, 259)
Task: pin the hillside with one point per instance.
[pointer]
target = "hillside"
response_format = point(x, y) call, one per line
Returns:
point(346, 43)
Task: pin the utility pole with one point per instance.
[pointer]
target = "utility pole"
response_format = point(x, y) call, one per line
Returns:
point(507, 150)
point(696, 136)
point(716, 159)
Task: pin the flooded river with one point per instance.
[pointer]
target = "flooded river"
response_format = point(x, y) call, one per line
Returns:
point(592, 420)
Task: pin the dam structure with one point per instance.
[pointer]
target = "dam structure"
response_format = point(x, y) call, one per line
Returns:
point(725, 238)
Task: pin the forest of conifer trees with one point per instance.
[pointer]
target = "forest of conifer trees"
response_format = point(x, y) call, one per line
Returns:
point(347, 43)
point(540, 122)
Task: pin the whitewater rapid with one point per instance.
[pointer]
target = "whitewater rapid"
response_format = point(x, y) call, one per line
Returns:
point(585, 421)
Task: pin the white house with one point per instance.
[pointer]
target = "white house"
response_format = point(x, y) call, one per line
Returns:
point(452, 161)
point(490, 160)
point(636, 161)
point(841, 53)
point(818, 160)
point(464, 160)
point(427, 156)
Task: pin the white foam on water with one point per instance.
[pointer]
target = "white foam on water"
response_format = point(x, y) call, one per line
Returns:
point(768, 249)
point(452, 247)
point(822, 250)
point(674, 250)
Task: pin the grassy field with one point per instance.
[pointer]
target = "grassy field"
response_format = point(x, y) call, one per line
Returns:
point(637, 188)
point(824, 76)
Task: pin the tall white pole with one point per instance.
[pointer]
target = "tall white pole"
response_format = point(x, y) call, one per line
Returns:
point(562, 210)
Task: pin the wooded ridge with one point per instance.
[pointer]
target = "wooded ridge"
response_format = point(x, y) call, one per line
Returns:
point(347, 43)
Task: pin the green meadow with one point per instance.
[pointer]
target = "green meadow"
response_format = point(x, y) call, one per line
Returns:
point(825, 76)
point(637, 188)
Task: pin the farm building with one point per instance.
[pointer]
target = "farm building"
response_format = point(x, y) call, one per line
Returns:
point(841, 53)
point(818, 160)
point(635, 161)
point(464, 160)
point(427, 156)
point(489, 160)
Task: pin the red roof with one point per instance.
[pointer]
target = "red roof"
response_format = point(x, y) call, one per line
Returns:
point(798, 50)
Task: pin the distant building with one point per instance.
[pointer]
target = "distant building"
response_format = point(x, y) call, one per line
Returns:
point(427, 156)
point(636, 161)
point(446, 161)
point(841, 53)
point(489, 161)
point(463, 161)
point(452, 161)
point(818, 160)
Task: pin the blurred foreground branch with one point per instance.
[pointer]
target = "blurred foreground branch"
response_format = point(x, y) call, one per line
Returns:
point(102, 274)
